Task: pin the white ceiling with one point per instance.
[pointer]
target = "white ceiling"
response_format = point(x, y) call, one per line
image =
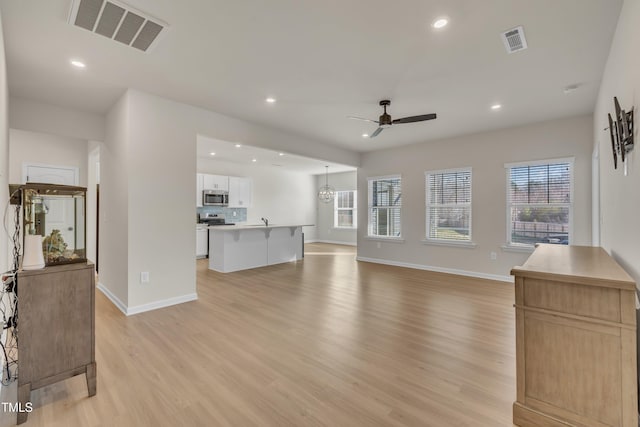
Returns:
point(325, 60)
point(244, 155)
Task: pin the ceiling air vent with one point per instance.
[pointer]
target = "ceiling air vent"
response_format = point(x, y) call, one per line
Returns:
point(514, 40)
point(117, 21)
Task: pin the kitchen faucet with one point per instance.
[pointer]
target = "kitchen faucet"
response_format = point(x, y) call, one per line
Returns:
point(266, 221)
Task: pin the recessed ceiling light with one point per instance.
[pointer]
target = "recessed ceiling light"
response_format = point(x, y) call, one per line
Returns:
point(270, 100)
point(78, 64)
point(365, 135)
point(571, 88)
point(238, 145)
point(280, 154)
point(212, 153)
point(496, 106)
point(254, 160)
point(440, 23)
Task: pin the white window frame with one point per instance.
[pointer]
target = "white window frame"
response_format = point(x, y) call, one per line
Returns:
point(521, 247)
point(448, 242)
point(370, 206)
point(337, 209)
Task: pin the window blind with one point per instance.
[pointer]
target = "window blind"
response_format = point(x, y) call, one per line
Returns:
point(449, 205)
point(345, 215)
point(345, 199)
point(540, 205)
point(544, 184)
point(386, 192)
point(385, 202)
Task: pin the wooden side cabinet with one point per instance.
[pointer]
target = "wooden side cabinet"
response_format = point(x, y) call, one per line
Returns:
point(56, 328)
point(575, 340)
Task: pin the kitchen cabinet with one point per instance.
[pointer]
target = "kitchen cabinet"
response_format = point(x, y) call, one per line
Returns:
point(215, 182)
point(240, 189)
point(240, 192)
point(199, 188)
point(202, 241)
point(575, 339)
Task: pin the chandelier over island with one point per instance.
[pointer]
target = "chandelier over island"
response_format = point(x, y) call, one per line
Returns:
point(326, 193)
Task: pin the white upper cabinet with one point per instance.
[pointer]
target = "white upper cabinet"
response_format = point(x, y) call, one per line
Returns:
point(216, 182)
point(199, 188)
point(240, 192)
point(240, 189)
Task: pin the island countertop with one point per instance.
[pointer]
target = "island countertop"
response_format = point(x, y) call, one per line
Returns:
point(240, 247)
point(238, 227)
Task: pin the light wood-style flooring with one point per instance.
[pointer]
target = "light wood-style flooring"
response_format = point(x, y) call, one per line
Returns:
point(327, 341)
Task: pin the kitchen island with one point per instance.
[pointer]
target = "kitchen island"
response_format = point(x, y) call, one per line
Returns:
point(241, 247)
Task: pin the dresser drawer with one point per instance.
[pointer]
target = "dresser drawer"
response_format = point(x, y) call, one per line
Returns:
point(581, 300)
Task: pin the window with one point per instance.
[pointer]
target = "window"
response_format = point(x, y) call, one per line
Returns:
point(345, 212)
point(448, 205)
point(384, 206)
point(539, 197)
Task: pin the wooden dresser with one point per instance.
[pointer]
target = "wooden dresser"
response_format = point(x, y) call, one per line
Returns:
point(56, 324)
point(575, 340)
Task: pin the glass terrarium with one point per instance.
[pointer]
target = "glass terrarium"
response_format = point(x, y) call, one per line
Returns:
point(58, 214)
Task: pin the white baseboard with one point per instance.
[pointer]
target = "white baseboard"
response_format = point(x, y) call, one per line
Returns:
point(438, 269)
point(336, 242)
point(114, 299)
point(161, 304)
point(129, 311)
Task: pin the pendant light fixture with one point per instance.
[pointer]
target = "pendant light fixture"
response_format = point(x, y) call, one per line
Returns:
point(326, 193)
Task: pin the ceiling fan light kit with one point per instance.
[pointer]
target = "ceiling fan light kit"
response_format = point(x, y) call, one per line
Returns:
point(385, 120)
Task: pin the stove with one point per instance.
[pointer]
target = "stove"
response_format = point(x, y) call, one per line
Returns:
point(213, 220)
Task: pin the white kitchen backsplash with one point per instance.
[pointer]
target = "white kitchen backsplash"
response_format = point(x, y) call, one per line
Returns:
point(240, 213)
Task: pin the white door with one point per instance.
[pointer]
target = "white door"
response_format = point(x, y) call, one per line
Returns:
point(62, 175)
point(60, 215)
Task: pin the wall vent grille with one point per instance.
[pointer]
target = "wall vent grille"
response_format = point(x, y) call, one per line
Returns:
point(117, 21)
point(514, 40)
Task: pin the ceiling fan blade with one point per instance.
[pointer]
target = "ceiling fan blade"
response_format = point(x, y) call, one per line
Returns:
point(360, 118)
point(377, 132)
point(413, 119)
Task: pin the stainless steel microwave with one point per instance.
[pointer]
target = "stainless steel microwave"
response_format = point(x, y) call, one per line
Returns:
point(215, 198)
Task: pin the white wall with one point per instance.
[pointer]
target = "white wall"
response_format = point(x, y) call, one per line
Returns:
point(4, 150)
point(161, 184)
point(345, 181)
point(114, 206)
point(46, 149)
point(69, 131)
point(147, 174)
point(37, 116)
point(93, 178)
point(619, 194)
point(486, 153)
point(282, 196)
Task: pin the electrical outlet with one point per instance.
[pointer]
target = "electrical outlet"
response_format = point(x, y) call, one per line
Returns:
point(235, 213)
point(493, 256)
point(378, 245)
point(144, 277)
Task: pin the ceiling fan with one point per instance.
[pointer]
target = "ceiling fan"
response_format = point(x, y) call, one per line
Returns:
point(385, 119)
